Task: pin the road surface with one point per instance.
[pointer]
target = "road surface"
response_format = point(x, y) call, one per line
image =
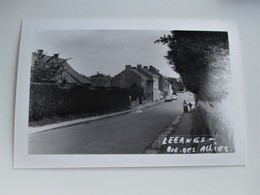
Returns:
point(131, 133)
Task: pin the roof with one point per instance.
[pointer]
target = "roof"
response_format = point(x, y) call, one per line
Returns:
point(155, 72)
point(73, 73)
point(140, 74)
point(147, 73)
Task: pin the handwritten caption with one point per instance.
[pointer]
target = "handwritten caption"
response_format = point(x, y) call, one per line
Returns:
point(190, 145)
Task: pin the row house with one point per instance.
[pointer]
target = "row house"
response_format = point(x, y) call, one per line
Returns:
point(141, 83)
point(165, 86)
point(153, 94)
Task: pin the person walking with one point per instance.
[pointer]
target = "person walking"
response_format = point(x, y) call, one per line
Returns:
point(185, 106)
point(190, 105)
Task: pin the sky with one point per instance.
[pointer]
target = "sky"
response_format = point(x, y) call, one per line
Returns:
point(106, 51)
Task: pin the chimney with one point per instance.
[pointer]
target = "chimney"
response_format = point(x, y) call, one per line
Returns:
point(56, 55)
point(145, 67)
point(40, 51)
point(127, 67)
point(139, 66)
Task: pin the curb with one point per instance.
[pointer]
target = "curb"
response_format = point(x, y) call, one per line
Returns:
point(155, 146)
point(33, 130)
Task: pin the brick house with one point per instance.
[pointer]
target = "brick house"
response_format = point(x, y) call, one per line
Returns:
point(165, 87)
point(154, 92)
point(140, 83)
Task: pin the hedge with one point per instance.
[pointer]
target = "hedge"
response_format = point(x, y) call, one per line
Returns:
point(48, 100)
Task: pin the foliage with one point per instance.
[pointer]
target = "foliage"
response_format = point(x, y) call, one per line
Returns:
point(100, 75)
point(48, 100)
point(177, 84)
point(197, 56)
point(45, 69)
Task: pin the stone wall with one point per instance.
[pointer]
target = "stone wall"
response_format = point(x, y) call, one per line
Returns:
point(218, 118)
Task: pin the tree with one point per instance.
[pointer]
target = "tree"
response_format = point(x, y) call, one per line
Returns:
point(45, 69)
point(100, 75)
point(197, 56)
point(177, 84)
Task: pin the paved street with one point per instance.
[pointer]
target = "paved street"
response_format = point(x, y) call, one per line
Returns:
point(125, 134)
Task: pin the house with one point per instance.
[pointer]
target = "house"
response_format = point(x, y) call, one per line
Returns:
point(138, 84)
point(154, 92)
point(52, 69)
point(141, 84)
point(165, 86)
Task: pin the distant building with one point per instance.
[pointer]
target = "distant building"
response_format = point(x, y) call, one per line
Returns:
point(177, 84)
point(52, 69)
point(101, 80)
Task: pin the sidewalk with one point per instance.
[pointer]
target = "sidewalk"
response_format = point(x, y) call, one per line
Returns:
point(89, 119)
point(185, 124)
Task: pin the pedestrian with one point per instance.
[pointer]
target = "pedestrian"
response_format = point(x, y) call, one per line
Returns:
point(185, 106)
point(190, 105)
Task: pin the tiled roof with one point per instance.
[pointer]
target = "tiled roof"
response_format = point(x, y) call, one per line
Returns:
point(140, 74)
point(74, 74)
point(147, 73)
point(155, 73)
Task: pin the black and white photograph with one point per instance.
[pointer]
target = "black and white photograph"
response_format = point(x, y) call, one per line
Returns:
point(130, 97)
point(131, 92)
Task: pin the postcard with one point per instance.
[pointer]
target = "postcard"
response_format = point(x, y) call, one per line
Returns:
point(129, 93)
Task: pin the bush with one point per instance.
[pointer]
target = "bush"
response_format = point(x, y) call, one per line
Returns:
point(48, 100)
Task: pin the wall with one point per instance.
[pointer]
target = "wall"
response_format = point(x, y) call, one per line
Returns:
point(131, 80)
point(156, 96)
point(217, 116)
point(126, 79)
point(234, 180)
